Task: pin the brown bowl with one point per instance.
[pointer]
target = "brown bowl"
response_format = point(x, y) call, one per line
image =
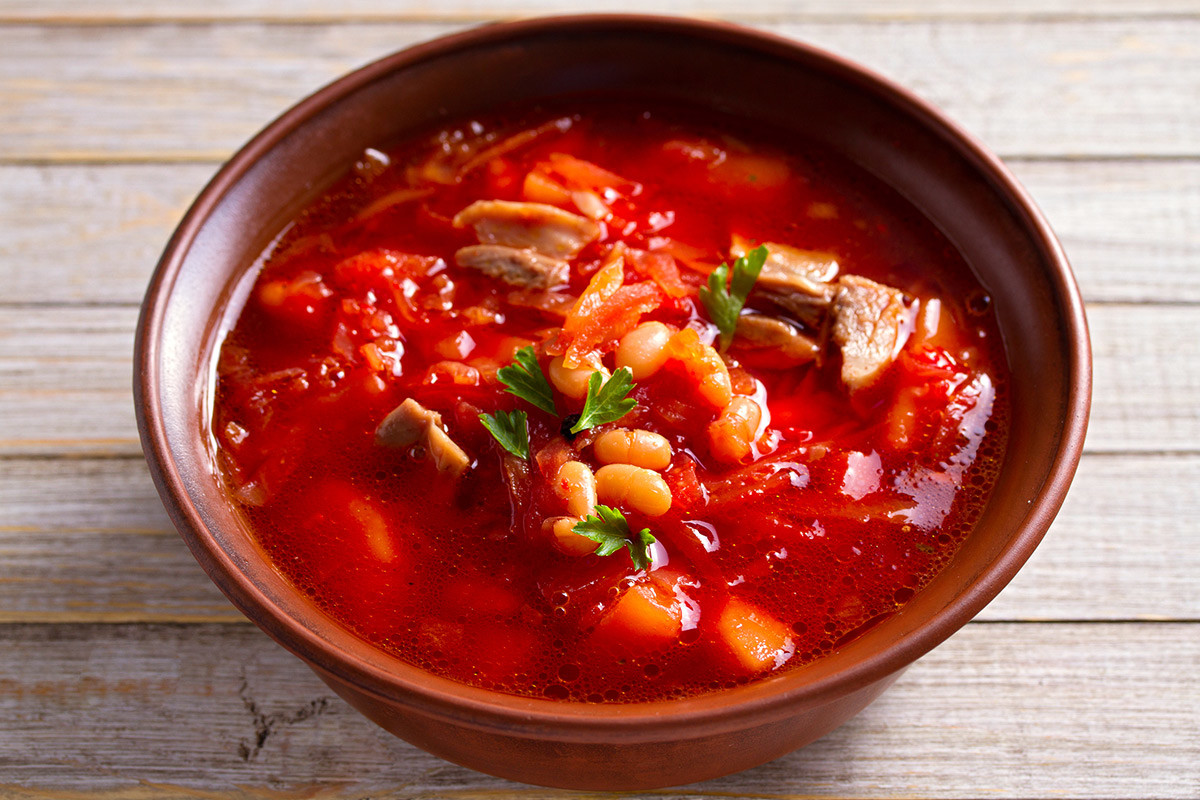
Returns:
point(200, 286)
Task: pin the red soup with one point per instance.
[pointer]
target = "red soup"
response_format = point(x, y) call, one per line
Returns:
point(610, 406)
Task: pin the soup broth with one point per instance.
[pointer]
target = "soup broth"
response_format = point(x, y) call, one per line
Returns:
point(424, 410)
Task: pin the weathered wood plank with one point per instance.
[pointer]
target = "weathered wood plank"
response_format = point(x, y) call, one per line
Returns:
point(65, 380)
point(106, 11)
point(1124, 546)
point(89, 234)
point(1131, 229)
point(92, 234)
point(1027, 88)
point(999, 710)
point(87, 540)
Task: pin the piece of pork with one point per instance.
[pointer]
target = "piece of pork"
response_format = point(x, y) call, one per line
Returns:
point(521, 267)
point(790, 269)
point(798, 281)
point(410, 423)
point(870, 321)
point(772, 343)
point(547, 229)
point(801, 307)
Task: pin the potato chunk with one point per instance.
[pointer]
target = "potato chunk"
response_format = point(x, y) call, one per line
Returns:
point(757, 640)
point(644, 617)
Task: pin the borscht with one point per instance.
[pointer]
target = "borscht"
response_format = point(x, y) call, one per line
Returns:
point(609, 405)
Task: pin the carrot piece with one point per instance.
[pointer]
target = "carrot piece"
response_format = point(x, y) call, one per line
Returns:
point(645, 616)
point(614, 318)
point(602, 286)
point(660, 268)
point(758, 641)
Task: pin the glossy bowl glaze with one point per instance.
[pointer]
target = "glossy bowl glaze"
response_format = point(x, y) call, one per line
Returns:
point(201, 283)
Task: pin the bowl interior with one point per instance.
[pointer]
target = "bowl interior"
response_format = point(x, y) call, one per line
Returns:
point(202, 282)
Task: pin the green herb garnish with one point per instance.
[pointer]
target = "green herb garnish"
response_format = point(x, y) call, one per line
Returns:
point(611, 532)
point(511, 430)
point(525, 379)
point(606, 400)
point(724, 305)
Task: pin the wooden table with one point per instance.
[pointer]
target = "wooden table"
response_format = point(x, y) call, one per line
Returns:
point(125, 674)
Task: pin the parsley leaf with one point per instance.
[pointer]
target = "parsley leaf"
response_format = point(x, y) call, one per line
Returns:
point(607, 402)
point(525, 379)
point(611, 531)
point(510, 429)
point(724, 305)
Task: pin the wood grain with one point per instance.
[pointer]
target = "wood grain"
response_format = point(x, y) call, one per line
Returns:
point(1130, 228)
point(119, 217)
point(89, 234)
point(107, 11)
point(1004, 711)
point(65, 380)
point(124, 673)
point(87, 540)
point(1076, 86)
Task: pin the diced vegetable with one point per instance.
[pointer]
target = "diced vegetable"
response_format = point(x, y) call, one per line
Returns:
point(644, 617)
point(757, 641)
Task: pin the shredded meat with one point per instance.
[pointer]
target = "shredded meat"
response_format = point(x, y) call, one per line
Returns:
point(410, 423)
point(521, 267)
point(868, 324)
point(549, 230)
point(773, 342)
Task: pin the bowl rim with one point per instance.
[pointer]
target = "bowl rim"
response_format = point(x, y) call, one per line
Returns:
point(634, 722)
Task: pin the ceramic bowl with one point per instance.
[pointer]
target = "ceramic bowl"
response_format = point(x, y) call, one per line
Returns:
point(199, 288)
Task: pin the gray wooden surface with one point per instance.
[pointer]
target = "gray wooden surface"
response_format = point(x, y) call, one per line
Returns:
point(125, 674)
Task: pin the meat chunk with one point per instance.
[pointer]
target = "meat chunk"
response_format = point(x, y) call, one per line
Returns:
point(406, 424)
point(790, 269)
point(521, 267)
point(410, 423)
point(798, 281)
point(547, 229)
point(446, 454)
point(772, 343)
point(869, 324)
point(802, 307)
